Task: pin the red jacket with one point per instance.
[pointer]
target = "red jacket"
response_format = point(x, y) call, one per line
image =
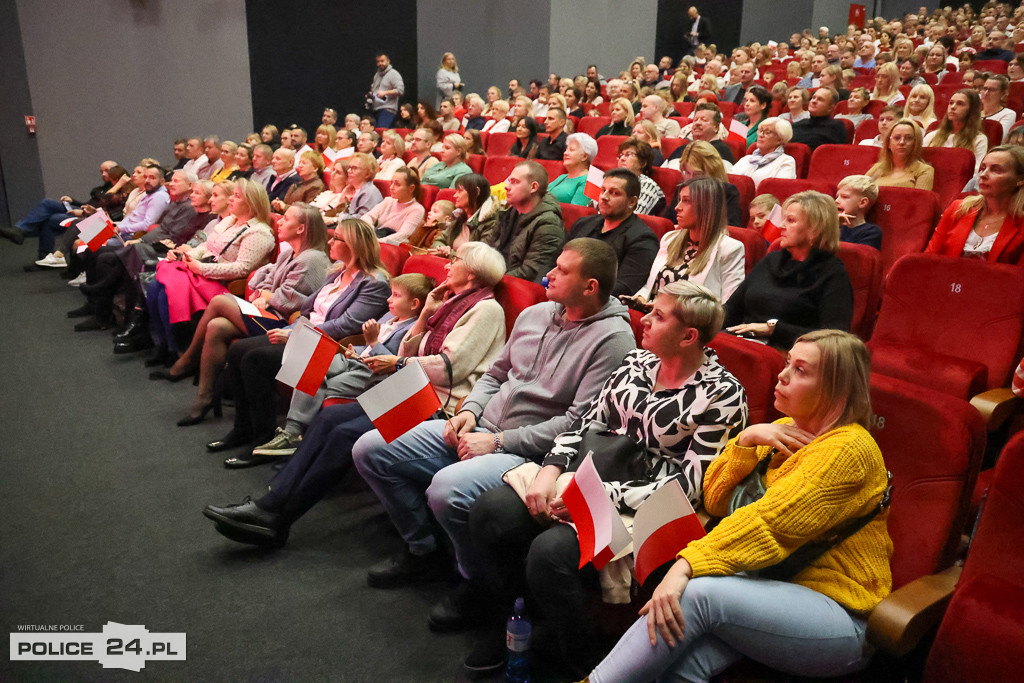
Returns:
point(952, 231)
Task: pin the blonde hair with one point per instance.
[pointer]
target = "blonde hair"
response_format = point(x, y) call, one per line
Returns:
point(864, 185)
point(844, 369)
point(317, 159)
point(416, 285)
point(256, 198)
point(764, 201)
point(630, 119)
point(928, 115)
point(706, 157)
point(696, 306)
point(367, 161)
point(822, 215)
point(885, 165)
point(709, 201)
point(651, 130)
point(444, 56)
point(362, 240)
point(888, 69)
point(459, 143)
point(395, 140)
point(332, 133)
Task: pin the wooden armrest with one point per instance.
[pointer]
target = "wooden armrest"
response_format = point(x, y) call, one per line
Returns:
point(902, 619)
point(237, 287)
point(294, 316)
point(997, 406)
point(353, 339)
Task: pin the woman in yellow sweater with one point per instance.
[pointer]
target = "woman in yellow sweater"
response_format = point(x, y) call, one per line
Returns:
point(825, 472)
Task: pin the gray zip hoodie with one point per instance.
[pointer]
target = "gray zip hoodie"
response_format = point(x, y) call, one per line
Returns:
point(547, 374)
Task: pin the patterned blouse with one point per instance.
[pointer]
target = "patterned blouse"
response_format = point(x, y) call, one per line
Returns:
point(669, 274)
point(682, 430)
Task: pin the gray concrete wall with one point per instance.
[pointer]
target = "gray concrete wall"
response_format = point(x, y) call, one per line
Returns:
point(117, 79)
point(609, 33)
point(492, 41)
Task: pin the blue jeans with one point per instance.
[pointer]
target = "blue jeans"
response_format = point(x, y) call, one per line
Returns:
point(401, 472)
point(787, 626)
point(454, 490)
point(384, 118)
point(44, 219)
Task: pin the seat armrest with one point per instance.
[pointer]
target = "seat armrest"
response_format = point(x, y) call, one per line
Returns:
point(237, 287)
point(997, 406)
point(902, 619)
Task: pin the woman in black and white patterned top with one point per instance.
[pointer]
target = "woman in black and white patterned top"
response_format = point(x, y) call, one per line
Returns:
point(675, 401)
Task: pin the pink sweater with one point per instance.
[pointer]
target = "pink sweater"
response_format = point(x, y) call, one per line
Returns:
point(402, 218)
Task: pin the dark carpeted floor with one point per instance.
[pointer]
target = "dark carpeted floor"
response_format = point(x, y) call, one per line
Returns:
point(102, 496)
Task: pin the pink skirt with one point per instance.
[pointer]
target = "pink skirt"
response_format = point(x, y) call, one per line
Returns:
point(187, 292)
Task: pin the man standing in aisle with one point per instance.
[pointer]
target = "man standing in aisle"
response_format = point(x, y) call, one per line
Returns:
point(385, 90)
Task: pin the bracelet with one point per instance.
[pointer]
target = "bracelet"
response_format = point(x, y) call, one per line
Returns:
point(498, 448)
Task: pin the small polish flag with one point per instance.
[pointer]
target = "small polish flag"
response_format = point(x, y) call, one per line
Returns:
point(738, 131)
point(307, 355)
point(770, 231)
point(248, 308)
point(95, 230)
point(602, 535)
point(663, 525)
point(772, 43)
point(330, 156)
point(400, 402)
point(595, 179)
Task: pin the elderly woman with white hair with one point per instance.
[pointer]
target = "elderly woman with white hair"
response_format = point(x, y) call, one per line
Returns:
point(499, 122)
point(769, 160)
point(580, 150)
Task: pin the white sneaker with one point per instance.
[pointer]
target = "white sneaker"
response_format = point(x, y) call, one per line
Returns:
point(78, 281)
point(51, 261)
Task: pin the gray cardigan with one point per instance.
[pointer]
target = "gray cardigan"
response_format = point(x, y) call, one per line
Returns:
point(365, 299)
point(291, 279)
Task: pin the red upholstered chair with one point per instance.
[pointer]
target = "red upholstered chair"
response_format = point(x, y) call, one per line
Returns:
point(874, 107)
point(394, 257)
point(668, 179)
point(745, 185)
point(499, 144)
point(728, 110)
point(864, 266)
point(476, 162)
point(737, 147)
point(669, 145)
point(754, 246)
point(428, 193)
point(954, 166)
point(496, 169)
point(573, 212)
point(907, 217)
point(992, 66)
point(384, 186)
point(554, 168)
point(638, 329)
point(447, 193)
point(684, 108)
point(757, 367)
point(608, 151)
point(660, 226)
point(835, 162)
point(867, 130)
point(851, 130)
point(514, 295)
point(801, 154)
point(591, 124)
point(993, 131)
point(784, 188)
point(953, 325)
point(605, 107)
point(431, 266)
point(981, 637)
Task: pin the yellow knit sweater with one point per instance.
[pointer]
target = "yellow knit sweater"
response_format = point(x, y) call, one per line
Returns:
point(837, 477)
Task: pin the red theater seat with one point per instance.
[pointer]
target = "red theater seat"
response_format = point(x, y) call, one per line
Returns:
point(832, 163)
point(754, 246)
point(496, 169)
point(981, 637)
point(745, 185)
point(573, 212)
point(907, 218)
point(431, 266)
point(757, 367)
point(514, 295)
point(554, 168)
point(476, 162)
point(949, 324)
point(608, 151)
point(499, 144)
point(784, 188)
point(864, 266)
point(394, 257)
point(668, 179)
point(953, 168)
point(660, 226)
point(591, 124)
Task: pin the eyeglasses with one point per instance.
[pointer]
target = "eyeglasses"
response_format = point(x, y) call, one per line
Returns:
point(627, 154)
point(453, 257)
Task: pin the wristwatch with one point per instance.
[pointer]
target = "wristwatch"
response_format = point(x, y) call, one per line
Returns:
point(498, 448)
point(771, 326)
point(400, 363)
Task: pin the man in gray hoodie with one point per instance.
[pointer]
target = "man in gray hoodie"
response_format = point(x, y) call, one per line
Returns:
point(557, 358)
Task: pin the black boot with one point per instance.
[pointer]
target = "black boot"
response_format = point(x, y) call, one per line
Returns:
point(138, 325)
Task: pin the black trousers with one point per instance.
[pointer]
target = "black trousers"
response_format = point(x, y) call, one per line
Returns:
point(252, 364)
point(541, 563)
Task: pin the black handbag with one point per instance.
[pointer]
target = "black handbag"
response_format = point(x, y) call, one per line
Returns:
point(751, 489)
point(616, 457)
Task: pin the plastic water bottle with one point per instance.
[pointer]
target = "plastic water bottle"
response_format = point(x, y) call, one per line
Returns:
point(517, 640)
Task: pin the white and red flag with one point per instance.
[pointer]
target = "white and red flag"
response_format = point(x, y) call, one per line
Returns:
point(595, 181)
point(95, 230)
point(307, 355)
point(737, 131)
point(770, 231)
point(602, 535)
point(400, 402)
point(663, 525)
